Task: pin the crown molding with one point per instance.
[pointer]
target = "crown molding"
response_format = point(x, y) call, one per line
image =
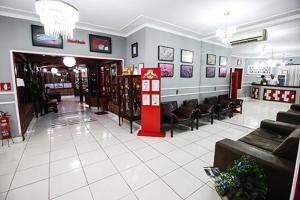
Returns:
point(142, 21)
point(264, 22)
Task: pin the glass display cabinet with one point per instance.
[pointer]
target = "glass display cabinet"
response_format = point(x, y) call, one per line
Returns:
point(129, 103)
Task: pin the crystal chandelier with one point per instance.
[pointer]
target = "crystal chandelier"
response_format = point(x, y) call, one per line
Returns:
point(59, 18)
point(225, 34)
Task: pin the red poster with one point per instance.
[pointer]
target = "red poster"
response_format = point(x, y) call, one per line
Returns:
point(150, 102)
point(5, 86)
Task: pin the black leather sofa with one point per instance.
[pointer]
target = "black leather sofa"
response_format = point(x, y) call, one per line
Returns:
point(262, 145)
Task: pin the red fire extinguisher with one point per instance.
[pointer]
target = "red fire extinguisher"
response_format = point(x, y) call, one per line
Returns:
point(5, 127)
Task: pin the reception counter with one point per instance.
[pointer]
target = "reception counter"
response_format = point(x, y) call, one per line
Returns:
point(288, 94)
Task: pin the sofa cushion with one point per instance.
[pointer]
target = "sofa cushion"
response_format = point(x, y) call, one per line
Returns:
point(256, 140)
point(268, 134)
point(289, 147)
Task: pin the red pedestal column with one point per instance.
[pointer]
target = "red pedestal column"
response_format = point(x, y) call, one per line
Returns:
point(234, 85)
point(150, 103)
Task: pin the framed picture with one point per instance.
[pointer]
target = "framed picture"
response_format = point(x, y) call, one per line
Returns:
point(239, 62)
point(134, 50)
point(41, 40)
point(210, 59)
point(210, 72)
point(222, 72)
point(100, 44)
point(165, 53)
point(223, 61)
point(166, 69)
point(186, 71)
point(187, 56)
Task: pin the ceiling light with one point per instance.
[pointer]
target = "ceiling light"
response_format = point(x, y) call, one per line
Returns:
point(45, 70)
point(265, 48)
point(225, 34)
point(58, 17)
point(69, 61)
point(54, 70)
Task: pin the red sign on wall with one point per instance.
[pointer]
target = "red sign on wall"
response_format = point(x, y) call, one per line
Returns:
point(150, 98)
point(76, 41)
point(5, 86)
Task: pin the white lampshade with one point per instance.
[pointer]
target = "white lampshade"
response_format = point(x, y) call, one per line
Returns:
point(54, 70)
point(69, 61)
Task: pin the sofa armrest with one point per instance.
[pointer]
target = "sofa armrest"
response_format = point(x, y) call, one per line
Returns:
point(279, 171)
point(239, 102)
point(295, 107)
point(277, 126)
point(288, 117)
point(168, 116)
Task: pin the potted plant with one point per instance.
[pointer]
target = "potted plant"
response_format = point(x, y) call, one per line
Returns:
point(244, 180)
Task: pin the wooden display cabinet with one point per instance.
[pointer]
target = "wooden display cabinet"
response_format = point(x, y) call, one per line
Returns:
point(129, 100)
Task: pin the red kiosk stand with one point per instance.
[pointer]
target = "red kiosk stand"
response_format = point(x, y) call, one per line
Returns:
point(150, 103)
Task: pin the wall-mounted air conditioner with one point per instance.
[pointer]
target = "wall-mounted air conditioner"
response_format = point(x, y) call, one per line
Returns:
point(249, 37)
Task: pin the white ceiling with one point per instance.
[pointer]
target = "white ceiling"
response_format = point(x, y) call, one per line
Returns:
point(197, 19)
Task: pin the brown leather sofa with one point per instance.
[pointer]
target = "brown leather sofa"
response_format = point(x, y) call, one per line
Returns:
point(172, 114)
point(236, 103)
point(204, 110)
point(220, 106)
point(288, 117)
point(260, 145)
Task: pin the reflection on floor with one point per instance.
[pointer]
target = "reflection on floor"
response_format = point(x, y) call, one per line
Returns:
point(70, 104)
point(91, 157)
point(254, 111)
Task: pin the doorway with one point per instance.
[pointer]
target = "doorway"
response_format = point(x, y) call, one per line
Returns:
point(91, 82)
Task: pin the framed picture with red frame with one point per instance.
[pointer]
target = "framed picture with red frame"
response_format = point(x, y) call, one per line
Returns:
point(100, 44)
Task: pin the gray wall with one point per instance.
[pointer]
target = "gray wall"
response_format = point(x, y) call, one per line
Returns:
point(294, 60)
point(196, 87)
point(138, 37)
point(16, 35)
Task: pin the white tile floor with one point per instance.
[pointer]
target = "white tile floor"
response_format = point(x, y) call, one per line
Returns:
point(99, 160)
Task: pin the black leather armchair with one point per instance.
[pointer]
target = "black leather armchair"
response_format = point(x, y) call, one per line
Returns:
point(202, 110)
point(49, 104)
point(172, 114)
point(236, 103)
point(295, 108)
point(220, 106)
point(260, 144)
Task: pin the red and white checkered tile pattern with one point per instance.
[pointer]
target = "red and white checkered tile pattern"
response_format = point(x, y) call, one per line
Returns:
point(280, 95)
point(255, 92)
